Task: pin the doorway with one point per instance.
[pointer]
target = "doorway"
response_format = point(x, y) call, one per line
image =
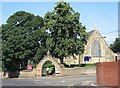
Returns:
point(48, 69)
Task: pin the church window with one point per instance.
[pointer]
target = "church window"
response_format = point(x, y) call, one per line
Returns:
point(96, 48)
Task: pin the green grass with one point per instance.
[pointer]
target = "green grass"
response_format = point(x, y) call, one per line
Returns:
point(81, 65)
point(88, 65)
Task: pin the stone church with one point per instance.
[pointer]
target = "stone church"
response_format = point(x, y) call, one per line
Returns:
point(96, 49)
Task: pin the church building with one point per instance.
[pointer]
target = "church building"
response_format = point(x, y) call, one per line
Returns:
point(96, 50)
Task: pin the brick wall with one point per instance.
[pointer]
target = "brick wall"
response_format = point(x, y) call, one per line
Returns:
point(25, 74)
point(22, 74)
point(78, 71)
point(108, 73)
point(65, 72)
point(119, 73)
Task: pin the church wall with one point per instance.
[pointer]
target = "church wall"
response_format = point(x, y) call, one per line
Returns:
point(72, 60)
point(107, 54)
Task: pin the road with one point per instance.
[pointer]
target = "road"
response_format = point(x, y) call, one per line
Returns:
point(82, 80)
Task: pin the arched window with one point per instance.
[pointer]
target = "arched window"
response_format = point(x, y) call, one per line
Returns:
point(96, 48)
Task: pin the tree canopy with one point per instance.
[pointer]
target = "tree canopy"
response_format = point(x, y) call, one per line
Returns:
point(66, 35)
point(26, 37)
point(116, 45)
point(20, 39)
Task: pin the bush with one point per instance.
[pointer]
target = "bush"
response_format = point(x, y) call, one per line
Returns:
point(87, 65)
point(48, 65)
point(82, 65)
point(71, 66)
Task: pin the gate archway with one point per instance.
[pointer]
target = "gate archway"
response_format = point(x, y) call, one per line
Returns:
point(48, 69)
point(46, 58)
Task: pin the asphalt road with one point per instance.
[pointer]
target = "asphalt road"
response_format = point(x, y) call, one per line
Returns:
point(82, 80)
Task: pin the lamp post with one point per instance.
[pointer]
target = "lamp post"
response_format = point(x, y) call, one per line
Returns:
point(100, 47)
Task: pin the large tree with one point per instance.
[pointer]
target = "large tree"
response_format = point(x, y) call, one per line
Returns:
point(21, 37)
point(66, 35)
point(26, 37)
point(116, 45)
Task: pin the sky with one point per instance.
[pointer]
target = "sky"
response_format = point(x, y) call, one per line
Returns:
point(100, 15)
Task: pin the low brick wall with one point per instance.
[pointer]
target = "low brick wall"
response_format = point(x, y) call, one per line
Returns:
point(22, 74)
point(26, 74)
point(108, 73)
point(78, 71)
point(65, 72)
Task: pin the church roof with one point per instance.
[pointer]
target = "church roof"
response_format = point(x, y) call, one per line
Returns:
point(90, 33)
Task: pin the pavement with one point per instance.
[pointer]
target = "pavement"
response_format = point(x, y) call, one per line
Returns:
point(87, 81)
point(51, 81)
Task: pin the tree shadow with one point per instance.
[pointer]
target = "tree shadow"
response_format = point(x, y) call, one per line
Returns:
point(13, 74)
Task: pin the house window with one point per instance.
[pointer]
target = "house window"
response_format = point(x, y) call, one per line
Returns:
point(96, 48)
